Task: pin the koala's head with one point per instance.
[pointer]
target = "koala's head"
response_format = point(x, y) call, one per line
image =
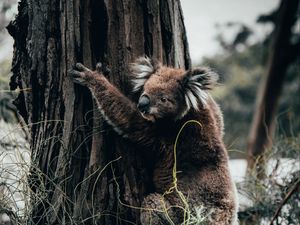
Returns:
point(169, 93)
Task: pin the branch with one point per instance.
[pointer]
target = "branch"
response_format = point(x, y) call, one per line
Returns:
point(7, 145)
point(286, 198)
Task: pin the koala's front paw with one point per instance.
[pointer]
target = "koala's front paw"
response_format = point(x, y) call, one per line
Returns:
point(79, 74)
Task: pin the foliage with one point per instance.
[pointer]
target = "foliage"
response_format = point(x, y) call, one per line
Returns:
point(6, 10)
point(19, 195)
point(241, 75)
point(7, 109)
point(14, 167)
point(276, 196)
point(265, 196)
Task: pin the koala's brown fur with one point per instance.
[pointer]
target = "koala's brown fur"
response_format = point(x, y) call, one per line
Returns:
point(169, 98)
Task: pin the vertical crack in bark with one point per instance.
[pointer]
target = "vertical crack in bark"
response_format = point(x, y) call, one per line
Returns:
point(148, 47)
point(167, 31)
point(99, 26)
point(98, 44)
point(185, 49)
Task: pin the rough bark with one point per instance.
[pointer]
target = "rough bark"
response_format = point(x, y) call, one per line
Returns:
point(281, 55)
point(82, 172)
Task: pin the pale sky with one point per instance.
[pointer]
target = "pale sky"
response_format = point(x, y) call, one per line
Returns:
point(201, 16)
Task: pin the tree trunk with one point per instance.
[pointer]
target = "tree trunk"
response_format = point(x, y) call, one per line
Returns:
point(81, 171)
point(281, 55)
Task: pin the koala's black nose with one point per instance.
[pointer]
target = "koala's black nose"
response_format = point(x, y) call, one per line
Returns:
point(144, 103)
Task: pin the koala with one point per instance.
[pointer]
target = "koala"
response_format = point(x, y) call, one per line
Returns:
point(192, 183)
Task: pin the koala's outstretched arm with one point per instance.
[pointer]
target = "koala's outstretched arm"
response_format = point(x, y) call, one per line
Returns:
point(119, 111)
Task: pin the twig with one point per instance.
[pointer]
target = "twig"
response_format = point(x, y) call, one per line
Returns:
point(6, 145)
point(286, 198)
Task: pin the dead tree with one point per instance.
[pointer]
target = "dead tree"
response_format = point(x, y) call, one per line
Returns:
point(282, 53)
point(82, 172)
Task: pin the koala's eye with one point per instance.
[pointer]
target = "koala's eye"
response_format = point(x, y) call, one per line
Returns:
point(163, 99)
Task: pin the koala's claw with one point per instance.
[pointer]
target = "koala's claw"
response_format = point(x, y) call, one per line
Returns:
point(77, 77)
point(102, 68)
point(82, 68)
point(75, 73)
point(99, 67)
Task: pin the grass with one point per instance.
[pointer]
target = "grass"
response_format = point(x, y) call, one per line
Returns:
point(273, 198)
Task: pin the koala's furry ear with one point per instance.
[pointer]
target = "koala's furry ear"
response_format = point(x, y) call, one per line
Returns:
point(196, 82)
point(141, 70)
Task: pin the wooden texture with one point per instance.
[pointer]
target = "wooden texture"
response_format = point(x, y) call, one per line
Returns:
point(82, 172)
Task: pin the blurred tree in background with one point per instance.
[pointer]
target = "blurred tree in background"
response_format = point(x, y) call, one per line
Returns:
point(5, 15)
point(241, 66)
point(283, 51)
